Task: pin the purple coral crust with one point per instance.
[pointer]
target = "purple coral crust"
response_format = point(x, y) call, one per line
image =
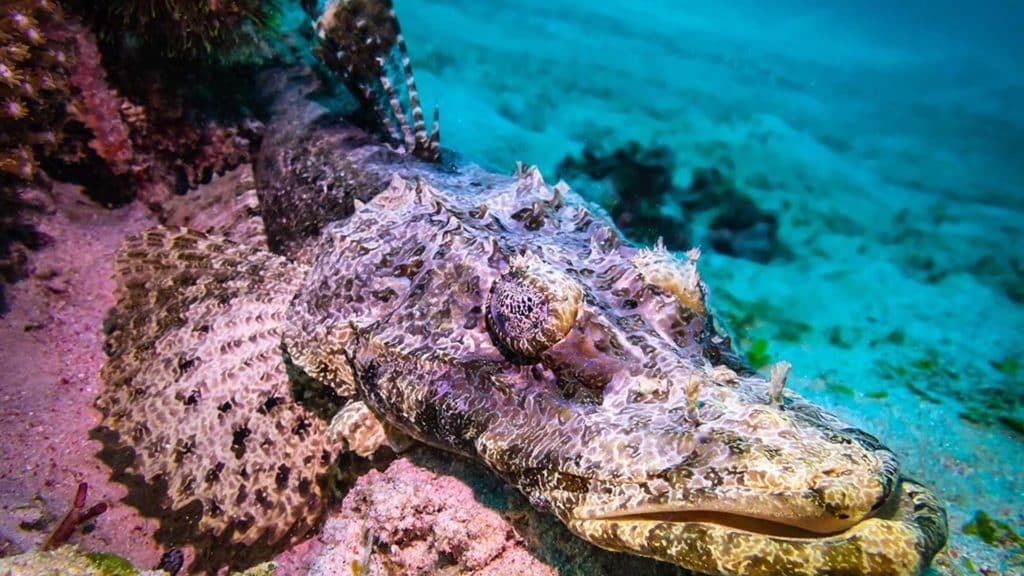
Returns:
point(408, 520)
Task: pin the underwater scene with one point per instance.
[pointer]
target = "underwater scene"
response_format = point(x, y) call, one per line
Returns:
point(362, 287)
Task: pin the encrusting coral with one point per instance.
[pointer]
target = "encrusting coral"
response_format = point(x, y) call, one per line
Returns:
point(187, 29)
point(113, 114)
point(100, 108)
point(409, 520)
point(35, 51)
point(54, 97)
point(71, 561)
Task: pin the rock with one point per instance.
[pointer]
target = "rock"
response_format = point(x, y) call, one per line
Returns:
point(633, 183)
point(738, 227)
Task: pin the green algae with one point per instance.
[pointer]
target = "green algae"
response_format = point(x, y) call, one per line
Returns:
point(839, 388)
point(974, 416)
point(67, 560)
point(1012, 422)
point(757, 354)
point(877, 394)
point(993, 532)
point(1009, 366)
point(772, 320)
point(922, 393)
point(110, 564)
point(896, 337)
point(985, 393)
point(264, 569)
point(791, 331)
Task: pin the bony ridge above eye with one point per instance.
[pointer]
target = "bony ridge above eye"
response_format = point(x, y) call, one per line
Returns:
point(531, 307)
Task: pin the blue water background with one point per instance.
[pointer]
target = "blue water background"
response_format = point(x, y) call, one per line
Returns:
point(887, 137)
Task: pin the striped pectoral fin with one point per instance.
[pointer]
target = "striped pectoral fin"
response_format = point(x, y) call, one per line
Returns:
point(403, 104)
point(196, 393)
point(425, 145)
point(363, 43)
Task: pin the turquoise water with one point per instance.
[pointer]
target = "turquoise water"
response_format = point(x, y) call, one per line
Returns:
point(887, 141)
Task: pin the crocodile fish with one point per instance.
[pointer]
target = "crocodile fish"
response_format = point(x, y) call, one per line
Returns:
point(395, 298)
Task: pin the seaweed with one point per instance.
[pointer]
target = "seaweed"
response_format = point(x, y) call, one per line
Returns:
point(757, 354)
point(739, 227)
point(792, 331)
point(837, 338)
point(982, 400)
point(633, 183)
point(1008, 366)
point(993, 532)
point(895, 337)
point(744, 316)
point(109, 564)
point(839, 388)
point(923, 394)
point(1013, 423)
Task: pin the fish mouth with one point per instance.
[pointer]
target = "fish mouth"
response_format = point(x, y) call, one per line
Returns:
point(900, 537)
point(753, 524)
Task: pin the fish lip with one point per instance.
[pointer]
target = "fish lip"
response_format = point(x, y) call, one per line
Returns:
point(901, 536)
point(790, 512)
point(734, 513)
point(676, 514)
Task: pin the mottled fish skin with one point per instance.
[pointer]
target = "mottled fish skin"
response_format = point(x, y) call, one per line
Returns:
point(509, 321)
point(494, 316)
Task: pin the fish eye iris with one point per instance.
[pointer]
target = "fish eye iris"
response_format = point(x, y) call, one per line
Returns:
point(531, 309)
point(517, 310)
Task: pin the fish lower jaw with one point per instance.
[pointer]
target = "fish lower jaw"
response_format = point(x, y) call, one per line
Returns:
point(794, 514)
point(898, 539)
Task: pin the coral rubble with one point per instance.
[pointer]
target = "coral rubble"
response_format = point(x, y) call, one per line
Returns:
point(428, 513)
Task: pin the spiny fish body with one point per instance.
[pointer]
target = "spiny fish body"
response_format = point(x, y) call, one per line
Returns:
point(497, 317)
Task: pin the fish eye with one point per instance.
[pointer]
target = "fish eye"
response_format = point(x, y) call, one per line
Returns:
point(531, 308)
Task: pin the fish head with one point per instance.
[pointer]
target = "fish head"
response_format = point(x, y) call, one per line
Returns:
point(517, 327)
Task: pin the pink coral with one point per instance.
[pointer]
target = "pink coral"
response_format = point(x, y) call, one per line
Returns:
point(99, 107)
point(409, 520)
